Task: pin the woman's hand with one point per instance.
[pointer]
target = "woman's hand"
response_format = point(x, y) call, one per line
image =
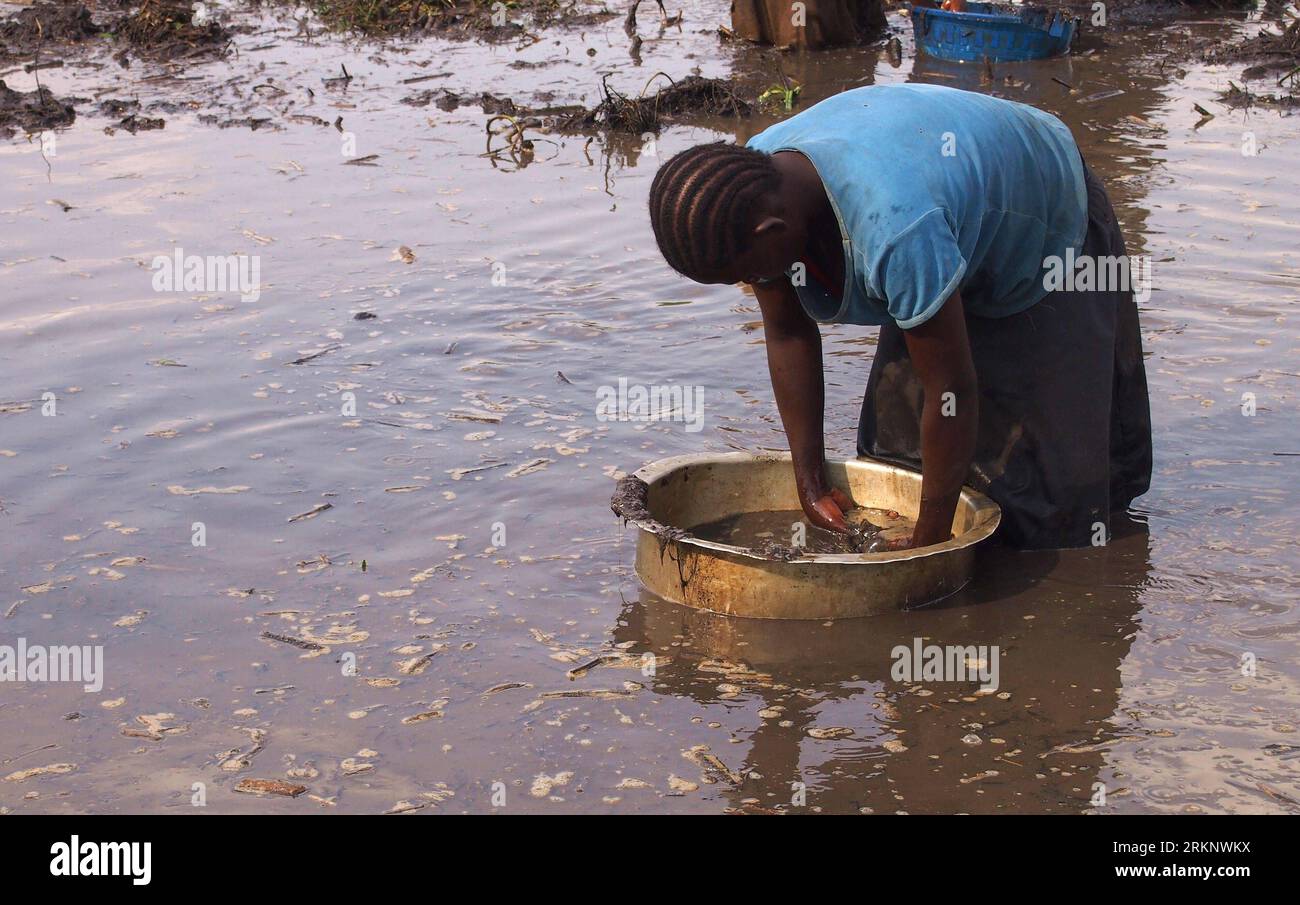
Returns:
point(794, 359)
point(826, 509)
point(941, 356)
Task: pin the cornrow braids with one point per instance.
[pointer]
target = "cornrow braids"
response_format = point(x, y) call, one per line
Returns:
point(702, 205)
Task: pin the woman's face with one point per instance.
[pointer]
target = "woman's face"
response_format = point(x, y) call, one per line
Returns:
point(774, 246)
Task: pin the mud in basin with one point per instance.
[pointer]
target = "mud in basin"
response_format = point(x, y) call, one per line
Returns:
point(722, 533)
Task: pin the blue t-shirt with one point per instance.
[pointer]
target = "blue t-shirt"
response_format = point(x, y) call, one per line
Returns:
point(937, 189)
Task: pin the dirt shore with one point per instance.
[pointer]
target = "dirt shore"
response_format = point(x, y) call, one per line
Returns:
point(58, 33)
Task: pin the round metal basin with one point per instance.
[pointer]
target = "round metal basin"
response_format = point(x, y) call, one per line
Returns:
point(679, 493)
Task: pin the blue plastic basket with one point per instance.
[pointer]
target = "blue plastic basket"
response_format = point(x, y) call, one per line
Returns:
point(997, 33)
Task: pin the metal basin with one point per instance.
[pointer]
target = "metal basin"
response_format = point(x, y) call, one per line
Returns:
point(685, 491)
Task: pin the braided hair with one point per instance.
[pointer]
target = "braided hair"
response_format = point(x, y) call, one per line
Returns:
point(702, 205)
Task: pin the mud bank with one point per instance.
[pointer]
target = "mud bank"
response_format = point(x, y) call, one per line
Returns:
point(32, 111)
point(47, 25)
point(1274, 55)
point(172, 30)
point(49, 35)
point(151, 29)
point(464, 19)
point(694, 97)
point(166, 32)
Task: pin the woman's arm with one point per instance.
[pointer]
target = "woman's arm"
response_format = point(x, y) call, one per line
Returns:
point(941, 357)
point(794, 359)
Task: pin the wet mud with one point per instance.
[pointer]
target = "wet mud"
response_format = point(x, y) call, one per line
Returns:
point(143, 29)
point(631, 500)
point(692, 96)
point(170, 30)
point(1274, 55)
point(457, 19)
point(32, 111)
point(46, 25)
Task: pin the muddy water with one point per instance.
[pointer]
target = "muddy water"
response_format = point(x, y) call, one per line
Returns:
point(786, 527)
point(789, 528)
point(468, 560)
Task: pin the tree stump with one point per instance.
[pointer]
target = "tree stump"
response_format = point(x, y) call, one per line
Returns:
point(808, 24)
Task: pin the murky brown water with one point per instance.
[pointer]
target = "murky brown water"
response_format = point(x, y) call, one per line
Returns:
point(1119, 665)
point(789, 528)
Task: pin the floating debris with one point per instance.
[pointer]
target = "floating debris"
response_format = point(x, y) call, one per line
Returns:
point(436, 713)
point(677, 784)
point(156, 727)
point(458, 473)
point(437, 795)
point(178, 490)
point(831, 732)
point(296, 642)
point(417, 665)
point(506, 686)
point(33, 772)
point(579, 671)
point(543, 784)
point(353, 767)
point(602, 693)
point(462, 414)
point(702, 757)
point(528, 467)
point(312, 356)
point(237, 759)
point(314, 565)
point(312, 512)
point(264, 787)
point(1089, 747)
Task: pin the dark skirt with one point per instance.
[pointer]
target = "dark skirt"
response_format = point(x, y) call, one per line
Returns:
point(1064, 420)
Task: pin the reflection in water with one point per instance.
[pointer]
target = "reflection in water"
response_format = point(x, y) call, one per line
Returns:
point(1062, 624)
